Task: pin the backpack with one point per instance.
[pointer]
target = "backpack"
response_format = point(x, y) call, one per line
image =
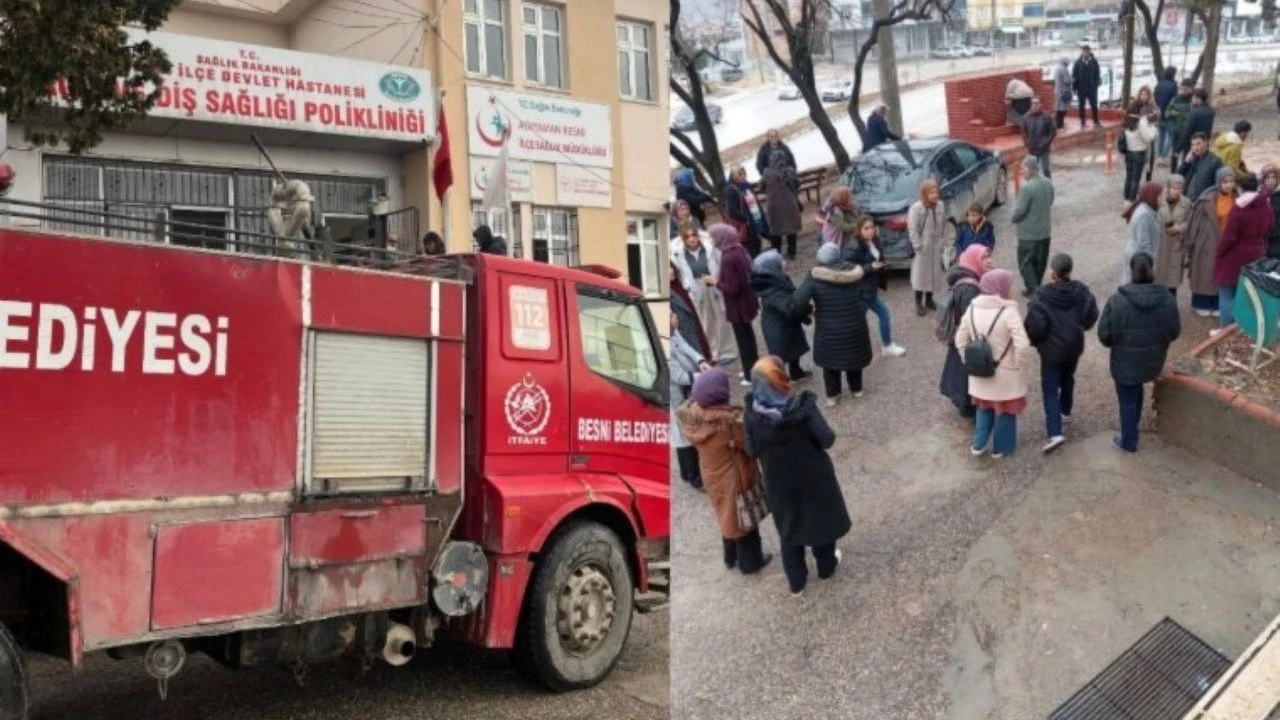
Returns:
point(1122, 143)
point(978, 359)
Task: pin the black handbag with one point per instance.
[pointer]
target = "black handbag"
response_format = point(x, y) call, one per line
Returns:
point(979, 360)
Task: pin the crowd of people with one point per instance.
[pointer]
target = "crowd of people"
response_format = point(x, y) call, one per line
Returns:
point(767, 455)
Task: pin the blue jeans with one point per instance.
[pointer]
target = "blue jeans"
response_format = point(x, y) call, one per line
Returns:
point(1058, 384)
point(886, 322)
point(1130, 399)
point(1000, 430)
point(1166, 140)
point(1226, 305)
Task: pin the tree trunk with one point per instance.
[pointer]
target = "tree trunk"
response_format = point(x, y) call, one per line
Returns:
point(822, 121)
point(1151, 28)
point(855, 99)
point(1210, 56)
point(1126, 95)
point(888, 68)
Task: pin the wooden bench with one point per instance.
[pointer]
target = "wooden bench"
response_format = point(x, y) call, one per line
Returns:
point(808, 183)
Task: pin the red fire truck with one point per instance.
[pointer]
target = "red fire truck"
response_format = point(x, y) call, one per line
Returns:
point(277, 461)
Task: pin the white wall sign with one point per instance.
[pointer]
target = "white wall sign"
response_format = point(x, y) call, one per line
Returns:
point(239, 84)
point(583, 187)
point(542, 129)
point(519, 178)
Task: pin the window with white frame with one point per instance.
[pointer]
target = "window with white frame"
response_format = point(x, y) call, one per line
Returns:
point(543, 49)
point(644, 255)
point(634, 60)
point(504, 223)
point(555, 236)
point(485, 27)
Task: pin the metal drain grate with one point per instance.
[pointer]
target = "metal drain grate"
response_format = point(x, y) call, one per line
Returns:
point(1159, 678)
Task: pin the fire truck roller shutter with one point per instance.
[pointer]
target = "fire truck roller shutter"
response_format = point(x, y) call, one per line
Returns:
point(369, 413)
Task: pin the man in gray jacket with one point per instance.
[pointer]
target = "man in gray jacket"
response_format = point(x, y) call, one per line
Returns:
point(1038, 132)
point(1032, 217)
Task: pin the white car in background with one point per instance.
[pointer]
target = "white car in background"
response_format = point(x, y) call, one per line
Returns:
point(838, 91)
point(788, 91)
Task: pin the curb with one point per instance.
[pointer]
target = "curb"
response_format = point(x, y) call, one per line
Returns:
point(1231, 398)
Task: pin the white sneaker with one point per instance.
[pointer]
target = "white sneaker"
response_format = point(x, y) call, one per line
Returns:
point(996, 456)
point(744, 383)
point(1215, 313)
point(797, 595)
point(829, 402)
point(839, 555)
point(893, 350)
point(977, 452)
point(1203, 313)
point(1054, 443)
point(858, 394)
point(1216, 332)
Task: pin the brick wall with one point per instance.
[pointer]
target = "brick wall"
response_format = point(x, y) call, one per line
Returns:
point(975, 105)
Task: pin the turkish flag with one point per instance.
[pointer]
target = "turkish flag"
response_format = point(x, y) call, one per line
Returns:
point(442, 168)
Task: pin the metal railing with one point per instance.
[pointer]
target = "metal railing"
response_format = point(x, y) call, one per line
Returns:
point(160, 229)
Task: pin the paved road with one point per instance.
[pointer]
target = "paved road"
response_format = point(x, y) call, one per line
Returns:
point(444, 683)
point(980, 589)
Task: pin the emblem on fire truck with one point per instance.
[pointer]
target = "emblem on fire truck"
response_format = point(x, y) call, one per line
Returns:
point(528, 407)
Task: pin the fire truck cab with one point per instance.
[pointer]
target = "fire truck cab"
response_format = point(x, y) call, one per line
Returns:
point(276, 460)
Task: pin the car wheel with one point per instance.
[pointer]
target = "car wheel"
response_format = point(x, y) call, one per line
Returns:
point(1002, 188)
point(14, 694)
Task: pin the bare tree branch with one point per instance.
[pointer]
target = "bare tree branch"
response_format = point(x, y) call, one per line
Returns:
point(703, 158)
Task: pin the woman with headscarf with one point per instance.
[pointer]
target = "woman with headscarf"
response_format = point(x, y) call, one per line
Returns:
point(781, 318)
point(714, 426)
point(681, 214)
point(963, 281)
point(1270, 176)
point(1144, 227)
point(789, 436)
point(839, 218)
point(1003, 396)
point(782, 206)
point(1244, 240)
point(697, 264)
point(930, 232)
point(743, 211)
point(1171, 257)
point(1204, 228)
point(690, 354)
point(740, 302)
point(841, 341)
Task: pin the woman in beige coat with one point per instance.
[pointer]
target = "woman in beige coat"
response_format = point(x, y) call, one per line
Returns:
point(930, 232)
point(1171, 257)
point(1002, 397)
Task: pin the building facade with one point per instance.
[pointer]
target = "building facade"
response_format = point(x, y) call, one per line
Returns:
point(344, 94)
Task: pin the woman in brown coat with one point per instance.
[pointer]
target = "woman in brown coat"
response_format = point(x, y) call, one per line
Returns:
point(715, 427)
point(1172, 214)
point(1204, 228)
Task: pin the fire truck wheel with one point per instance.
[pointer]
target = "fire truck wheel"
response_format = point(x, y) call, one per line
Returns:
point(13, 678)
point(579, 611)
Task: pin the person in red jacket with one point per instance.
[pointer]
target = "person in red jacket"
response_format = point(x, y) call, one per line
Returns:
point(1244, 239)
point(740, 302)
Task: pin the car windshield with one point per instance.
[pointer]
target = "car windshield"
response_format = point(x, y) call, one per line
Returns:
point(886, 174)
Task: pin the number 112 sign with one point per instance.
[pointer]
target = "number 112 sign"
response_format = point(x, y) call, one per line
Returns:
point(530, 317)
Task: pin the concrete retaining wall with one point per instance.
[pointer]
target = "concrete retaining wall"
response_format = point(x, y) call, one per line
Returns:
point(1210, 422)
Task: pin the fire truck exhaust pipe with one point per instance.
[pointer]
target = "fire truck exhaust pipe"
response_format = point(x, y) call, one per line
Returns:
point(400, 646)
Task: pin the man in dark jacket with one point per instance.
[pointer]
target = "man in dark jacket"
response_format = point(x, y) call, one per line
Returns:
point(1175, 116)
point(1200, 168)
point(1038, 131)
point(773, 144)
point(1199, 120)
point(1139, 323)
point(878, 131)
point(1166, 91)
point(1057, 318)
point(1086, 76)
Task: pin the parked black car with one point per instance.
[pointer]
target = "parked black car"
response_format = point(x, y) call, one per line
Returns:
point(886, 181)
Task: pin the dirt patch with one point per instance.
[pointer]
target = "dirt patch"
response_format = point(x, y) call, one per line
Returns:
point(1227, 363)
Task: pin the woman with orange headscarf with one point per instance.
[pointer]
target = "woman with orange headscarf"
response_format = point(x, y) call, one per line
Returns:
point(930, 233)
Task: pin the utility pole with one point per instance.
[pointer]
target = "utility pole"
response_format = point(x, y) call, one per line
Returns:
point(1126, 93)
point(888, 68)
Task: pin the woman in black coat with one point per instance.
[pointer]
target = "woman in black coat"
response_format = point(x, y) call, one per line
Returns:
point(841, 341)
point(1139, 324)
point(789, 436)
point(781, 317)
point(868, 254)
point(962, 281)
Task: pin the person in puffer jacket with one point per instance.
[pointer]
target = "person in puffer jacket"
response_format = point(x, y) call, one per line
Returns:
point(841, 339)
point(1139, 323)
point(1057, 318)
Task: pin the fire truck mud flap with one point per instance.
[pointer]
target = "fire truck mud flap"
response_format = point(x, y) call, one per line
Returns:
point(57, 572)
